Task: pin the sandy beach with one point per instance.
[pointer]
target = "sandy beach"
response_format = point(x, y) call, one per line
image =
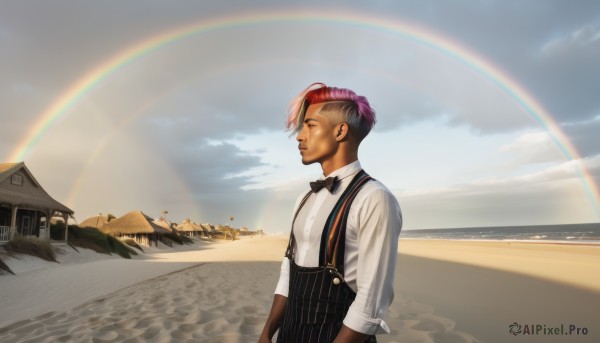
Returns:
point(446, 291)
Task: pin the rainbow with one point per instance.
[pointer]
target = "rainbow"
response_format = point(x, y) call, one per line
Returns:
point(410, 32)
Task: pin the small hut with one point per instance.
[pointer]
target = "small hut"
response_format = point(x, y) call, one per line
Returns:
point(209, 230)
point(25, 207)
point(95, 221)
point(137, 226)
point(189, 228)
point(162, 222)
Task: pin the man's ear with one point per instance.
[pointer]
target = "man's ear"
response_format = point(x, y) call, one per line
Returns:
point(342, 132)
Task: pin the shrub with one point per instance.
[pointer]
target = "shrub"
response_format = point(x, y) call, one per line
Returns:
point(133, 243)
point(92, 238)
point(119, 247)
point(185, 239)
point(174, 237)
point(4, 268)
point(31, 246)
point(89, 238)
point(57, 232)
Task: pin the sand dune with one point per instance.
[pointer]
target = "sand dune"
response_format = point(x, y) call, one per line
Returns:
point(222, 293)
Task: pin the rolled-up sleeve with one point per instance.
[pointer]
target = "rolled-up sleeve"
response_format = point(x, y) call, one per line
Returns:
point(283, 286)
point(379, 227)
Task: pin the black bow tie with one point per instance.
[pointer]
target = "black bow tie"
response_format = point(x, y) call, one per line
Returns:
point(328, 183)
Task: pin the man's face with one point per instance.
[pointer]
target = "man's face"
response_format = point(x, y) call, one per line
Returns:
point(317, 138)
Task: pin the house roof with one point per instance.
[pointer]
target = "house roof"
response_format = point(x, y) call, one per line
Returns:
point(131, 223)
point(94, 221)
point(163, 223)
point(27, 197)
point(188, 226)
point(207, 227)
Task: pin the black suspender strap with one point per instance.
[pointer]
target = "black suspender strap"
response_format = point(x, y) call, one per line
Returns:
point(290, 252)
point(333, 239)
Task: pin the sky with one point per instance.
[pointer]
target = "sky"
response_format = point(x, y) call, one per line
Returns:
point(487, 111)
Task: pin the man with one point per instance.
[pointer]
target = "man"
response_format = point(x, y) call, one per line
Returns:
point(337, 276)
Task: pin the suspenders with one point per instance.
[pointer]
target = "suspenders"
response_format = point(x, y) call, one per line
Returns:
point(289, 252)
point(333, 239)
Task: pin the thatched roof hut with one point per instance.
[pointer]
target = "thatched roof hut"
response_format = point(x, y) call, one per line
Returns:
point(162, 222)
point(94, 221)
point(188, 226)
point(134, 222)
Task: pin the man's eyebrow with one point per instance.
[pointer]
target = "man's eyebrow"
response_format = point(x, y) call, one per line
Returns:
point(310, 119)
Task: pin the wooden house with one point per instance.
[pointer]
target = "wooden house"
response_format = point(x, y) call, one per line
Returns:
point(25, 207)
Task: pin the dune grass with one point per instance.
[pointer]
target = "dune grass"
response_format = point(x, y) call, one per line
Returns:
point(94, 239)
point(4, 268)
point(185, 239)
point(133, 243)
point(177, 237)
point(31, 246)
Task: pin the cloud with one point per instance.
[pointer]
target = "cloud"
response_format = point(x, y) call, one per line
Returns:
point(538, 146)
point(533, 147)
point(145, 136)
point(585, 37)
point(554, 195)
point(584, 136)
point(565, 72)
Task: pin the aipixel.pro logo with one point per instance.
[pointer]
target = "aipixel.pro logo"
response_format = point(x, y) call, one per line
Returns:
point(546, 330)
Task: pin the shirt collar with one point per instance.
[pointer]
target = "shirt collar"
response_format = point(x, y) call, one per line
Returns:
point(345, 171)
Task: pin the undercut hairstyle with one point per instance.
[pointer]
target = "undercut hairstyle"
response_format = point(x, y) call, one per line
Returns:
point(355, 109)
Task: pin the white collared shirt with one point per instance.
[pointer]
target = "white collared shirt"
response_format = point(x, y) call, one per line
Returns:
point(372, 232)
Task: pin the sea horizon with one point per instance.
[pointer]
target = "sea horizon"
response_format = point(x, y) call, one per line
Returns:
point(561, 233)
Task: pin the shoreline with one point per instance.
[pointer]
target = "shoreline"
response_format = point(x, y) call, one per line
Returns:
point(549, 241)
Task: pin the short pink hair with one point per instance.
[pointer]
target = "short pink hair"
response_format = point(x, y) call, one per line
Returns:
point(355, 108)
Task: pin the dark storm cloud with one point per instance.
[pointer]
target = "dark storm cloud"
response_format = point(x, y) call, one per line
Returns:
point(210, 173)
point(585, 137)
point(513, 34)
point(482, 26)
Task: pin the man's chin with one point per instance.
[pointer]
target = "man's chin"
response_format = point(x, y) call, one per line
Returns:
point(307, 161)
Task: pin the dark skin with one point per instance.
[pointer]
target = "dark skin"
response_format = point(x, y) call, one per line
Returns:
point(275, 318)
point(324, 139)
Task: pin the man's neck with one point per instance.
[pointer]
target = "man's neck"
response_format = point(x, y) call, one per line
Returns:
point(330, 166)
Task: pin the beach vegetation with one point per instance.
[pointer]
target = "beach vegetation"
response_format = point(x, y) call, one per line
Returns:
point(94, 239)
point(5, 268)
point(132, 243)
point(119, 247)
point(174, 237)
point(177, 237)
point(185, 239)
point(57, 231)
point(31, 246)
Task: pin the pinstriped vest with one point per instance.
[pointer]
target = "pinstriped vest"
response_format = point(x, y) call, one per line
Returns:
point(318, 298)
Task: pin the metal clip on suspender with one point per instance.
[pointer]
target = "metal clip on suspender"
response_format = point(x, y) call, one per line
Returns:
point(338, 278)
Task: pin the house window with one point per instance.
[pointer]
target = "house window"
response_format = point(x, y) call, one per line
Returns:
point(16, 179)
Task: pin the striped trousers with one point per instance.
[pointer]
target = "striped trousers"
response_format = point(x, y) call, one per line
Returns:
point(315, 308)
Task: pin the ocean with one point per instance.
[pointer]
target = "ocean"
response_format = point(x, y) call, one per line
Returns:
point(570, 233)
